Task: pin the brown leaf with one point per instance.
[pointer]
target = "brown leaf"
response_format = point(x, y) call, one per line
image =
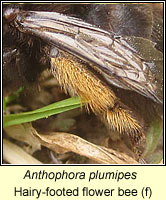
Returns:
point(23, 133)
point(65, 142)
point(14, 154)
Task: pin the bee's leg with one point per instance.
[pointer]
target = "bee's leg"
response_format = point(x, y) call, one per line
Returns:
point(75, 78)
point(121, 119)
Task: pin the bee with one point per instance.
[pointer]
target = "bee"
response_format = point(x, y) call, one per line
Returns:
point(88, 56)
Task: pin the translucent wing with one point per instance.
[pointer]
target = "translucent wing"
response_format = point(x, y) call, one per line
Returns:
point(113, 56)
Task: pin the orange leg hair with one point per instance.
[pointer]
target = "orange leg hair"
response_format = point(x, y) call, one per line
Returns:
point(75, 78)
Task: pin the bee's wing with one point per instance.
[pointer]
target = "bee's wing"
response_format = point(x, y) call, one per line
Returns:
point(117, 61)
point(123, 67)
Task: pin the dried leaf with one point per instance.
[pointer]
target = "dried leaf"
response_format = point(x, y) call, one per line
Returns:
point(15, 155)
point(64, 142)
point(23, 133)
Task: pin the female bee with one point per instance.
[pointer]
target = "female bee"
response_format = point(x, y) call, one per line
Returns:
point(91, 58)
